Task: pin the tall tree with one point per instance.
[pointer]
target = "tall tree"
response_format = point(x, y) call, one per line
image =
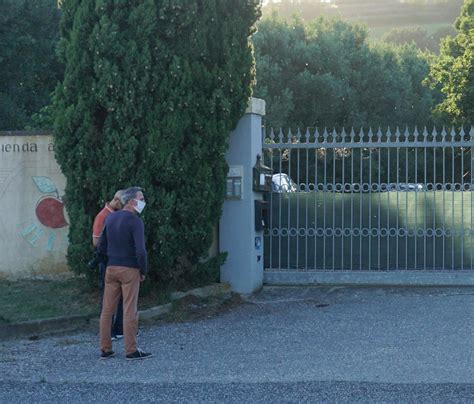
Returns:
point(29, 32)
point(150, 93)
point(453, 73)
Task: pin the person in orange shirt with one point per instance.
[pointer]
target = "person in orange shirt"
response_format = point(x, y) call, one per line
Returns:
point(97, 229)
point(99, 221)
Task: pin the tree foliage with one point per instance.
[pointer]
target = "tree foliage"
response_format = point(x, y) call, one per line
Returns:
point(30, 69)
point(419, 36)
point(325, 74)
point(453, 73)
point(150, 93)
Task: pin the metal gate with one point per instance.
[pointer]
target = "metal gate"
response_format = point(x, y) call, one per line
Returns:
point(369, 202)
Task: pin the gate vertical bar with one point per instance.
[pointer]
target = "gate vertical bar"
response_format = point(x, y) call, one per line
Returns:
point(325, 138)
point(316, 188)
point(352, 135)
point(343, 182)
point(462, 202)
point(407, 136)
point(306, 200)
point(370, 198)
point(471, 191)
point(389, 149)
point(425, 138)
point(270, 235)
point(379, 135)
point(298, 139)
point(453, 192)
point(398, 198)
point(333, 200)
point(443, 137)
point(280, 135)
point(435, 188)
point(360, 200)
point(288, 199)
point(416, 200)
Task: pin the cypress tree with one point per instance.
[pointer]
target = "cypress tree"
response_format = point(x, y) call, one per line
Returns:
point(151, 90)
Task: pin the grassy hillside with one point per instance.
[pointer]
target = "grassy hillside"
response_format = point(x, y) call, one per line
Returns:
point(379, 15)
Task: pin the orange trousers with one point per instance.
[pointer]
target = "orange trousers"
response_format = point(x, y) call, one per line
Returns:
point(119, 281)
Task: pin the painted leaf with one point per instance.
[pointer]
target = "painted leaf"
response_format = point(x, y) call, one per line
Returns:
point(44, 184)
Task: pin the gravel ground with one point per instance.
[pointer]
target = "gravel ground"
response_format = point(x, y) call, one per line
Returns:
point(291, 344)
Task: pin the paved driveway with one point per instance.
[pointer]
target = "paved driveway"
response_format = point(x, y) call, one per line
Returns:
point(284, 344)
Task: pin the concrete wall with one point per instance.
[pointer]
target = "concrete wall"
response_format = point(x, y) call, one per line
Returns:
point(33, 221)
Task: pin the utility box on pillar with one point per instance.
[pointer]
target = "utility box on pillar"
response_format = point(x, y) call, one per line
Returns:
point(245, 214)
point(261, 182)
point(261, 215)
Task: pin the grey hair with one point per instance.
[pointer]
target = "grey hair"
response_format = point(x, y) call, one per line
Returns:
point(129, 194)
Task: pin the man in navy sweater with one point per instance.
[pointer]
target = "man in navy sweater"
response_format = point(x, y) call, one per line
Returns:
point(123, 241)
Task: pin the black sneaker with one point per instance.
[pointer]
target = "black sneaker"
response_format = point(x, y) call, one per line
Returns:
point(106, 355)
point(138, 354)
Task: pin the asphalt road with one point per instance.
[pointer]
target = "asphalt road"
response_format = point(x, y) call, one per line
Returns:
point(295, 344)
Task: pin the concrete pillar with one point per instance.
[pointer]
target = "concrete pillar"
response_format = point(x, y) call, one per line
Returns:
point(243, 269)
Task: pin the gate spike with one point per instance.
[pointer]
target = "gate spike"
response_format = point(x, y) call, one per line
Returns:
point(425, 134)
point(307, 135)
point(325, 135)
point(361, 134)
point(406, 134)
point(343, 135)
point(379, 134)
point(352, 134)
point(370, 134)
point(453, 133)
point(416, 133)
point(434, 134)
point(389, 134)
point(334, 135)
point(289, 136)
point(397, 135)
point(471, 132)
point(443, 134)
point(272, 135)
point(316, 135)
point(298, 136)
point(280, 136)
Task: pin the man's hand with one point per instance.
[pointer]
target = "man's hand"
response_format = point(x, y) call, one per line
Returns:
point(142, 277)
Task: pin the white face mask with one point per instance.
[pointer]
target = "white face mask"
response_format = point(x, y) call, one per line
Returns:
point(139, 206)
